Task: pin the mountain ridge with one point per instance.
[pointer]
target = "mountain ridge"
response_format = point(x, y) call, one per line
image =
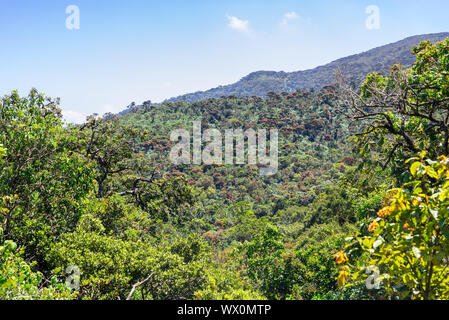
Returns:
point(355, 68)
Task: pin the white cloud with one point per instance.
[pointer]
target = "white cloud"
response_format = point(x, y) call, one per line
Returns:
point(79, 118)
point(289, 16)
point(237, 24)
point(73, 117)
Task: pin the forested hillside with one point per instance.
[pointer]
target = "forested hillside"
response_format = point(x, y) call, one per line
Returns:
point(358, 208)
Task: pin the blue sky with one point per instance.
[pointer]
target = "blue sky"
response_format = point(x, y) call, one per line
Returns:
point(139, 50)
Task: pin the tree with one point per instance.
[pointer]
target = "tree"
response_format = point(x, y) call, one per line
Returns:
point(407, 246)
point(40, 177)
point(19, 282)
point(122, 168)
point(114, 148)
point(266, 265)
point(406, 112)
point(113, 268)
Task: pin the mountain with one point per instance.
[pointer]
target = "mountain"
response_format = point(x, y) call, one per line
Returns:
point(355, 68)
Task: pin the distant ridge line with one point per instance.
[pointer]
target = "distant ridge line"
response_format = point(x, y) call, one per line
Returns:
point(357, 66)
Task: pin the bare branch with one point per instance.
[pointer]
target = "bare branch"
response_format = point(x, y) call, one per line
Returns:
point(137, 285)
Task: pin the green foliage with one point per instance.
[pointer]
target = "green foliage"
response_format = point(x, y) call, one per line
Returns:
point(264, 260)
point(39, 172)
point(137, 226)
point(406, 112)
point(112, 147)
point(286, 274)
point(402, 252)
point(369, 205)
point(104, 198)
point(110, 267)
point(19, 282)
point(408, 241)
point(227, 279)
point(247, 225)
point(66, 200)
point(315, 271)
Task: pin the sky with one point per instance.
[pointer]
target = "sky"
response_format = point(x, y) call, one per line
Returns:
point(98, 56)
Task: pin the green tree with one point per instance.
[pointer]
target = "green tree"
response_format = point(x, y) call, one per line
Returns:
point(111, 267)
point(406, 112)
point(407, 246)
point(114, 148)
point(40, 176)
point(265, 263)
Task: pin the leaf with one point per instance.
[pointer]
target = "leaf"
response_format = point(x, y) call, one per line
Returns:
point(431, 172)
point(434, 213)
point(415, 167)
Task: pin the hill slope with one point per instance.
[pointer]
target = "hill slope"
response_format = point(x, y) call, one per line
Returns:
point(355, 67)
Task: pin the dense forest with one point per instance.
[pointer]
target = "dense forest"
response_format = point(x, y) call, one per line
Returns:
point(358, 208)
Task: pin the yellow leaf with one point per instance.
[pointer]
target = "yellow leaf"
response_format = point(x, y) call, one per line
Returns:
point(415, 167)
